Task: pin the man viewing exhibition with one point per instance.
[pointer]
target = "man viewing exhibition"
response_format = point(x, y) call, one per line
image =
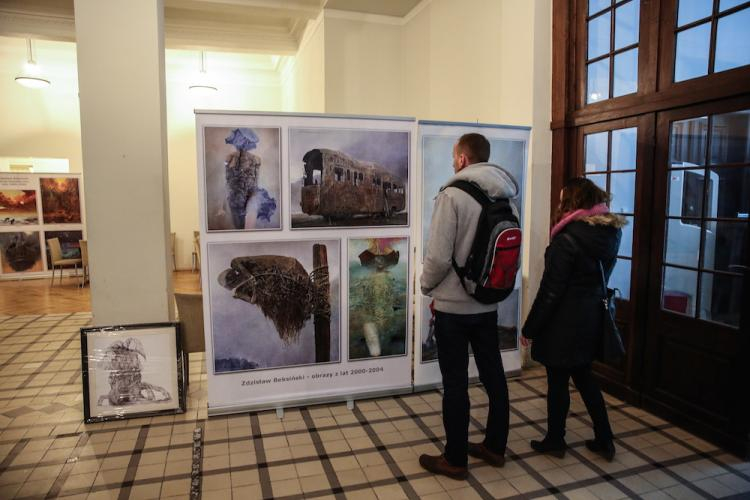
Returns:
point(460, 319)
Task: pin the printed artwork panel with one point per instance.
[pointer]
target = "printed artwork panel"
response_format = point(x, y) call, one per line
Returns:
point(348, 177)
point(274, 304)
point(243, 178)
point(378, 291)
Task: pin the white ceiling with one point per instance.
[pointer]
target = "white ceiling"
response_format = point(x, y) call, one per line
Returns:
point(257, 26)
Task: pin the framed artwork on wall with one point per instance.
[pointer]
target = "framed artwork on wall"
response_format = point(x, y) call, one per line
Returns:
point(132, 371)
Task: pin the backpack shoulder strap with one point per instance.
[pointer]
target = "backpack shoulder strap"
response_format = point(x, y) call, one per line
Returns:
point(472, 190)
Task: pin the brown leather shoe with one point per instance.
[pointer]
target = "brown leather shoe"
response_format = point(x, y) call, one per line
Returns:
point(480, 451)
point(439, 465)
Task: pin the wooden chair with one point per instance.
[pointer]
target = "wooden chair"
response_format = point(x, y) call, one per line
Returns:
point(56, 256)
point(190, 310)
point(84, 261)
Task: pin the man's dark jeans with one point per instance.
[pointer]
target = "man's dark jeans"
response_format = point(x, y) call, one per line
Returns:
point(453, 333)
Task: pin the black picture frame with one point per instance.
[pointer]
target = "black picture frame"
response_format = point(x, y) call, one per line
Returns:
point(128, 340)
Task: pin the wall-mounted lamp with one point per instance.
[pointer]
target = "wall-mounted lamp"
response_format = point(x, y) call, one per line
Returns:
point(31, 77)
point(202, 86)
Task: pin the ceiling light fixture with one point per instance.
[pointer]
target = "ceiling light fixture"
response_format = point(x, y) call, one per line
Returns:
point(31, 76)
point(202, 86)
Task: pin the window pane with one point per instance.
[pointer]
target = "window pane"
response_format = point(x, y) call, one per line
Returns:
point(728, 4)
point(688, 142)
point(691, 59)
point(626, 24)
point(598, 5)
point(626, 73)
point(622, 186)
point(730, 137)
point(596, 152)
point(692, 10)
point(598, 179)
point(626, 244)
point(725, 245)
point(597, 84)
point(678, 291)
point(732, 198)
point(686, 194)
point(624, 142)
point(620, 278)
point(733, 41)
point(683, 243)
point(599, 35)
point(721, 298)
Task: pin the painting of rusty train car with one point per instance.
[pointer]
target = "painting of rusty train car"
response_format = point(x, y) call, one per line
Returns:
point(348, 191)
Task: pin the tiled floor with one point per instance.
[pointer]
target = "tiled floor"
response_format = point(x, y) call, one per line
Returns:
point(316, 452)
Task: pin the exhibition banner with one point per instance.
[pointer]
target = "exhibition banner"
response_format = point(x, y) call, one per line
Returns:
point(306, 227)
point(508, 149)
point(35, 207)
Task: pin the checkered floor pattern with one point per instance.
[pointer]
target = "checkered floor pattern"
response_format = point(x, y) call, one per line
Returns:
point(325, 451)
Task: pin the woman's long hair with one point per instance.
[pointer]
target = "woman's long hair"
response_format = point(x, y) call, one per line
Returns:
point(580, 193)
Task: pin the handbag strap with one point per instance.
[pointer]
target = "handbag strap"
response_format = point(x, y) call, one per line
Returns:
point(605, 297)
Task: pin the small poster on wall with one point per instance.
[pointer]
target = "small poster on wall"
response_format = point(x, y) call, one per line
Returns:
point(61, 200)
point(243, 178)
point(378, 291)
point(18, 207)
point(274, 304)
point(20, 252)
point(350, 177)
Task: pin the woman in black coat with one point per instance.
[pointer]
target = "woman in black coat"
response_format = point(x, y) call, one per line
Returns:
point(566, 320)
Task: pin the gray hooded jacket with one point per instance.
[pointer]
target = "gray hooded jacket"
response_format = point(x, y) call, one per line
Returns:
point(452, 231)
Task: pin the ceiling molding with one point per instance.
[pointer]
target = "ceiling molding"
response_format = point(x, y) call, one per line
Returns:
point(364, 17)
point(39, 26)
point(416, 10)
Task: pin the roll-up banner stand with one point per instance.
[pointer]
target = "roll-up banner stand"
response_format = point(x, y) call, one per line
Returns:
point(509, 149)
point(307, 276)
point(34, 208)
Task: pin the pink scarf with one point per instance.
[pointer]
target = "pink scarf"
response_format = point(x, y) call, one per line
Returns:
point(599, 209)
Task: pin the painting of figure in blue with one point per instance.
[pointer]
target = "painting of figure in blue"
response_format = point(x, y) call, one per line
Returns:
point(242, 174)
point(378, 290)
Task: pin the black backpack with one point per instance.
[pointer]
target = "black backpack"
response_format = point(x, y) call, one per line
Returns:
point(489, 274)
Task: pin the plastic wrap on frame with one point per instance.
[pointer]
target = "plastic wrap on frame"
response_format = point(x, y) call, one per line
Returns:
point(132, 371)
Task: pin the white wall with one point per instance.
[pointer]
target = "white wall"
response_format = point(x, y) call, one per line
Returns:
point(303, 76)
point(362, 66)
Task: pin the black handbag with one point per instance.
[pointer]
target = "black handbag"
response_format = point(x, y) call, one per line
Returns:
point(611, 349)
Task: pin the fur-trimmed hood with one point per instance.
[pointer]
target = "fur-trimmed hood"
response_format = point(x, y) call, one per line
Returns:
point(614, 220)
point(597, 235)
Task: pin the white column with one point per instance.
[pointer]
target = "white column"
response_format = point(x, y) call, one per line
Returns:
point(124, 144)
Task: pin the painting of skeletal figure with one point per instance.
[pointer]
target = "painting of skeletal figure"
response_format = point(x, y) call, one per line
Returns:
point(378, 291)
point(129, 372)
point(274, 304)
point(242, 178)
point(20, 252)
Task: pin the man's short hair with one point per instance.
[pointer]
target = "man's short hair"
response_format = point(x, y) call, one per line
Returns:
point(476, 147)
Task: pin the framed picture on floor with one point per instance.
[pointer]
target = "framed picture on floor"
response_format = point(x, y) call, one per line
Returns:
point(132, 371)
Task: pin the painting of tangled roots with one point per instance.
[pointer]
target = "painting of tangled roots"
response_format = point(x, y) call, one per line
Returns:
point(132, 372)
point(243, 187)
point(378, 290)
point(61, 200)
point(274, 304)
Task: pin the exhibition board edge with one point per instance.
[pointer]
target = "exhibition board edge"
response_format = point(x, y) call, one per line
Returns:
point(303, 402)
point(305, 115)
point(473, 124)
